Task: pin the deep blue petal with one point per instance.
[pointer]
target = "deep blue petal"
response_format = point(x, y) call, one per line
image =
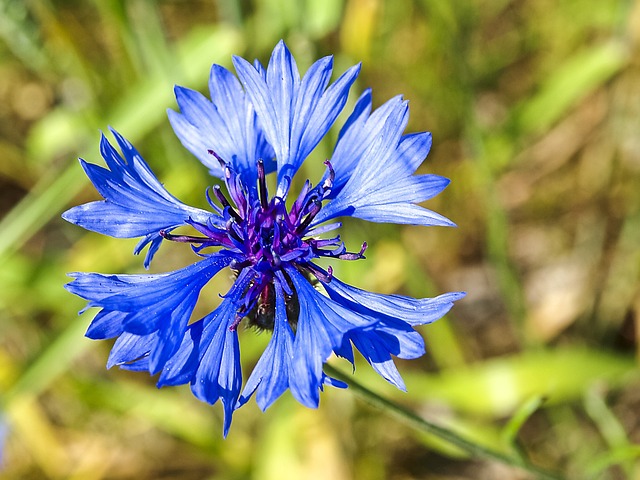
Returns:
point(106, 324)
point(376, 353)
point(271, 374)
point(414, 311)
point(153, 240)
point(397, 337)
point(144, 304)
point(391, 333)
point(230, 378)
point(322, 325)
point(180, 368)
point(129, 348)
point(135, 202)
point(209, 355)
point(326, 380)
point(140, 365)
point(219, 375)
point(294, 113)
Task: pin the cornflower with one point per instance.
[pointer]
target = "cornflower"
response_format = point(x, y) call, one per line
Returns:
point(264, 121)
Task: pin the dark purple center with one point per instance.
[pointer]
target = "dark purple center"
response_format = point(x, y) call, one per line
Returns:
point(263, 236)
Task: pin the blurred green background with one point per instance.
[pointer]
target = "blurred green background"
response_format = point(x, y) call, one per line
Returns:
point(535, 110)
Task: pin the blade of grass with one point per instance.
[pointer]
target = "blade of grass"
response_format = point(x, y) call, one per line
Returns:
point(414, 421)
point(517, 420)
point(577, 77)
point(137, 113)
point(609, 426)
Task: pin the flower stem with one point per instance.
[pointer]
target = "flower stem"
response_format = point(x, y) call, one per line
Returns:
point(414, 421)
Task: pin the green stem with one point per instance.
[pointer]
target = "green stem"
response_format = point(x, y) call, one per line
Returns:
point(414, 421)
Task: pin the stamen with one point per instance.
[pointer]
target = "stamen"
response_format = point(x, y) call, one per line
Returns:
point(211, 202)
point(297, 206)
point(233, 234)
point(324, 277)
point(237, 266)
point(354, 256)
point(225, 203)
point(328, 183)
point(218, 157)
point(317, 205)
point(220, 196)
point(237, 320)
point(262, 186)
point(183, 238)
point(235, 189)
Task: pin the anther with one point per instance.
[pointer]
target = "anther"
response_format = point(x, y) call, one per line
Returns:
point(225, 203)
point(354, 256)
point(262, 185)
point(182, 238)
point(236, 321)
point(217, 157)
point(328, 183)
point(324, 277)
point(231, 231)
point(317, 205)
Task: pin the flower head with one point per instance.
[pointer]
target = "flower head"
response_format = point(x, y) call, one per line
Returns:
point(265, 120)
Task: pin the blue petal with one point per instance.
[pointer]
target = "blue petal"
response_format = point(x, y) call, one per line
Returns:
point(374, 166)
point(129, 348)
point(135, 202)
point(412, 189)
point(226, 125)
point(209, 355)
point(140, 365)
point(378, 342)
point(326, 380)
point(317, 108)
point(391, 333)
point(106, 324)
point(180, 368)
point(322, 325)
point(404, 213)
point(236, 110)
point(145, 304)
point(376, 353)
point(219, 375)
point(271, 374)
point(414, 311)
point(397, 337)
point(295, 114)
point(357, 132)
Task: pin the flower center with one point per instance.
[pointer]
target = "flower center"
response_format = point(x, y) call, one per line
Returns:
point(263, 236)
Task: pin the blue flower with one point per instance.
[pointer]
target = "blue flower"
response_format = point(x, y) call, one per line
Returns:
point(265, 120)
